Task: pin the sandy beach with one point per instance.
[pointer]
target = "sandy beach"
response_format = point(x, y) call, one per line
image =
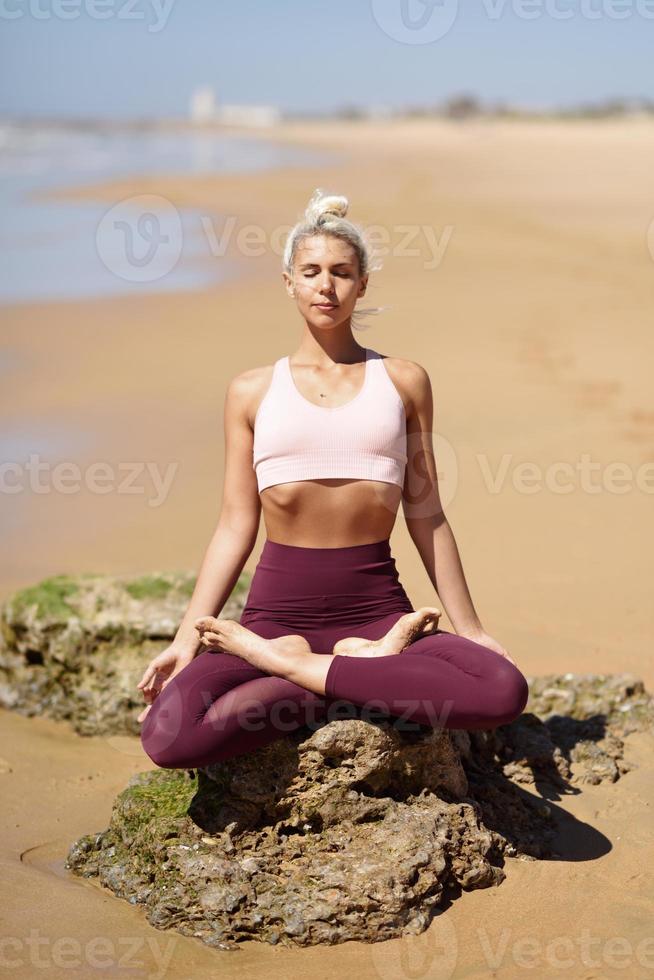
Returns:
point(518, 271)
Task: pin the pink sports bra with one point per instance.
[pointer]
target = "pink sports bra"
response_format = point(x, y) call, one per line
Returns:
point(365, 439)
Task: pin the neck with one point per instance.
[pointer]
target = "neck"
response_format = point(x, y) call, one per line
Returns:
point(325, 347)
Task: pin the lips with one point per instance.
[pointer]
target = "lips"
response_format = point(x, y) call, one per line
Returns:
point(326, 306)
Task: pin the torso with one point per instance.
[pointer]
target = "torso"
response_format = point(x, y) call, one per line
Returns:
point(329, 513)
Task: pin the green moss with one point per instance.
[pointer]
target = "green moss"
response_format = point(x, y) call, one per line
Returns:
point(148, 814)
point(186, 587)
point(149, 587)
point(164, 795)
point(159, 586)
point(49, 596)
point(242, 584)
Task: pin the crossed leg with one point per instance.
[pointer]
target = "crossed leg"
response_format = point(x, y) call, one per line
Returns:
point(222, 705)
point(231, 635)
point(442, 679)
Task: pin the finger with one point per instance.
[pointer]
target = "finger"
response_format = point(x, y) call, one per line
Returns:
point(211, 645)
point(150, 692)
point(153, 692)
point(156, 687)
point(210, 639)
point(168, 679)
point(146, 689)
point(154, 680)
point(149, 670)
point(150, 675)
point(144, 713)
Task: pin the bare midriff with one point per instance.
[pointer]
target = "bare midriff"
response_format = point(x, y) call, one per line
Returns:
point(330, 513)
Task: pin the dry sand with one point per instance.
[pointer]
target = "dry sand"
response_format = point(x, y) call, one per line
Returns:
point(534, 322)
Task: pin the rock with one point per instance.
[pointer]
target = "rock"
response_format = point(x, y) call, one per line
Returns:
point(352, 831)
point(577, 730)
point(74, 648)
point(356, 829)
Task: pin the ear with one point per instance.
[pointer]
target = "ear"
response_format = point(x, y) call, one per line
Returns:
point(288, 282)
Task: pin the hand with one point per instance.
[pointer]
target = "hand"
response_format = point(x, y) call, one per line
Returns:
point(480, 636)
point(159, 672)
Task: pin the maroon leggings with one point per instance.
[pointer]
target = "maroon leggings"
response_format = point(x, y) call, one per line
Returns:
point(220, 706)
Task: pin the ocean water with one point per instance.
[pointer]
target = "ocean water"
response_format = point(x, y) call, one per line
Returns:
point(58, 250)
point(67, 250)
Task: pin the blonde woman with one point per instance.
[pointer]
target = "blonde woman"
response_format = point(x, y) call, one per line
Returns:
point(327, 442)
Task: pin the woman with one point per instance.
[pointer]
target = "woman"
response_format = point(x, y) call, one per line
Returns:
point(327, 443)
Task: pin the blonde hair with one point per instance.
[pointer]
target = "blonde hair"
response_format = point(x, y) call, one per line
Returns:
point(325, 215)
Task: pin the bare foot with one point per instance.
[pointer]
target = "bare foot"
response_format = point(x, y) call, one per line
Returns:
point(408, 628)
point(272, 656)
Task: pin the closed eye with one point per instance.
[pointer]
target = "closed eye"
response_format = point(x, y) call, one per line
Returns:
point(312, 274)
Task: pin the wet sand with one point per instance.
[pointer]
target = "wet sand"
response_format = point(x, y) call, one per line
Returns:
point(519, 275)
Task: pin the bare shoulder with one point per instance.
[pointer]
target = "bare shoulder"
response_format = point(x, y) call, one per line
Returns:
point(246, 390)
point(409, 377)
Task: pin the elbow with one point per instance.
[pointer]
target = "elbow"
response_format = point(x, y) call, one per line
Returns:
point(424, 517)
point(241, 526)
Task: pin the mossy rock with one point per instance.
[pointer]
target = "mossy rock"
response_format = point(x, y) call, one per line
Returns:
point(47, 599)
point(357, 830)
point(75, 647)
point(280, 847)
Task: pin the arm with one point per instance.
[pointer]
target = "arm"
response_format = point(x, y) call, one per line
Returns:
point(423, 510)
point(238, 523)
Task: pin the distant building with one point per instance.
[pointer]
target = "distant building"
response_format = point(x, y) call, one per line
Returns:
point(380, 112)
point(203, 109)
point(203, 104)
point(248, 115)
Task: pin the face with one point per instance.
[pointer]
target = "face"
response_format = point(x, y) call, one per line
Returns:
point(326, 282)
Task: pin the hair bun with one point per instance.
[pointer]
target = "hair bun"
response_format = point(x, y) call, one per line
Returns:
point(324, 204)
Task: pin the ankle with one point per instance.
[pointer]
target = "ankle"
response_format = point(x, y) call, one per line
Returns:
point(293, 663)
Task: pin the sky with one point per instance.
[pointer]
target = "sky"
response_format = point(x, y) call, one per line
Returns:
point(122, 59)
